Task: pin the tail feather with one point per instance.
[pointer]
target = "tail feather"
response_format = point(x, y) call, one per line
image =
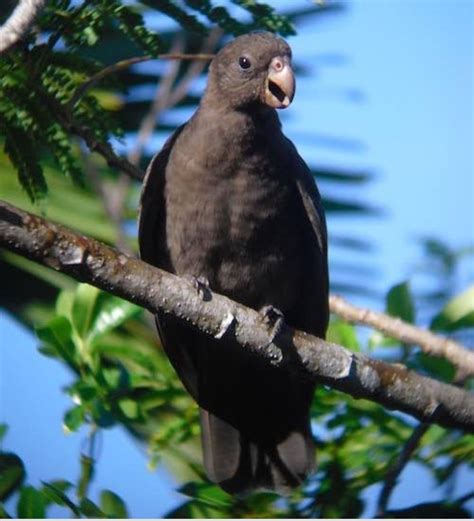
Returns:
point(254, 418)
point(239, 464)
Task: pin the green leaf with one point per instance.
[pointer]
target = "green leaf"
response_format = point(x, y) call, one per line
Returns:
point(127, 353)
point(129, 408)
point(378, 339)
point(12, 474)
point(111, 312)
point(438, 367)
point(74, 418)
point(90, 509)
point(399, 302)
point(209, 494)
point(457, 314)
point(3, 431)
point(3, 513)
point(57, 336)
point(114, 378)
point(31, 504)
point(84, 309)
point(113, 505)
point(341, 332)
point(96, 312)
point(82, 392)
point(102, 416)
point(64, 303)
point(54, 492)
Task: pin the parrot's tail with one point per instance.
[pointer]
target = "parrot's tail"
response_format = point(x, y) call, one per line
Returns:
point(241, 463)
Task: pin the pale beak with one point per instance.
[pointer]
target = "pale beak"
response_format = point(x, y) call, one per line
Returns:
point(280, 83)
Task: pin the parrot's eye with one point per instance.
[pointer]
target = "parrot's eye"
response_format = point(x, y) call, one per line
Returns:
point(244, 62)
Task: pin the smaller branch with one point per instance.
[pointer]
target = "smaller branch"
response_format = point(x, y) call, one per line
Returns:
point(124, 64)
point(105, 150)
point(466, 497)
point(112, 211)
point(430, 343)
point(166, 96)
point(195, 68)
point(19, 23)
point(158, 104)
point(394, 472)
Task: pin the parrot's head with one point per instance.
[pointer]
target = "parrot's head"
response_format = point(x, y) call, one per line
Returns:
point(254, 68)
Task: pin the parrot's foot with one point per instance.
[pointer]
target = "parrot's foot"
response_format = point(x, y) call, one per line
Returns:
point(201, 285)
point(273, 319)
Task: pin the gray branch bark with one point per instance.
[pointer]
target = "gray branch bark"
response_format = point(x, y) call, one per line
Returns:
point(429, 342)
point(19, 23)
point(87, 260)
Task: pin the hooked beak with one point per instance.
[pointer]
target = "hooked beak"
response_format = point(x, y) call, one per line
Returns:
point(280, 83)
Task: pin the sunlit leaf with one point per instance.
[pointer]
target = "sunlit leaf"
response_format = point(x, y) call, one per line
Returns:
point(57, 335)
point(129, 408)
point(74, 418)
point(113, 505)
point(457, 314)
point(110, 312)
point(64, 303)
point(84, 308)
point(378, 339)
point(343, 333)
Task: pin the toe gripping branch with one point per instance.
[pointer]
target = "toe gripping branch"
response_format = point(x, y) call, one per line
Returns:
point(273, 319)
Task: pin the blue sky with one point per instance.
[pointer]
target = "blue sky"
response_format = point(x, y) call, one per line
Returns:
point(403, 90)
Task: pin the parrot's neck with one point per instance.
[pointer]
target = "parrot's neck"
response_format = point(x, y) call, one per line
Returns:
point(254, 123)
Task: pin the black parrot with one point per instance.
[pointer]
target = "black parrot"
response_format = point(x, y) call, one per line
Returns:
point(229, 199)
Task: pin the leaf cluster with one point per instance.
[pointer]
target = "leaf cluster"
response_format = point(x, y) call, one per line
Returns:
point(38, 79)
point(120, 378)
point(35, 502)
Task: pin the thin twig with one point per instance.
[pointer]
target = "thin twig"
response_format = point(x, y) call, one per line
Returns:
point(88, 260)
point(196, 67)
point(112, 211)
point(166, 96)
point(466, 497)
point(394, 472)
point(19, 23)
point(124, 64)
point(159, 103)
point(430, 343)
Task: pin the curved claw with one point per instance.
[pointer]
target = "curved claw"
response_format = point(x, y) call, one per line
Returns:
point(201, 285)
point(273, 319)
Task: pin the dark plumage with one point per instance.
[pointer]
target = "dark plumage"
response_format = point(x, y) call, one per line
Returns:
point(229, 198)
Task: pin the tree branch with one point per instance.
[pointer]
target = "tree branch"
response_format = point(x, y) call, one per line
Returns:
point(124, 64)
point(160, 100)
point(20, 21)
point(87, 260)
point(429, 342)
point(394, 472)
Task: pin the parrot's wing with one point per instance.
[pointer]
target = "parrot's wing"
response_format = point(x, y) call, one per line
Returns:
point(152, 218)
point(313, 207)
point(153, 250)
